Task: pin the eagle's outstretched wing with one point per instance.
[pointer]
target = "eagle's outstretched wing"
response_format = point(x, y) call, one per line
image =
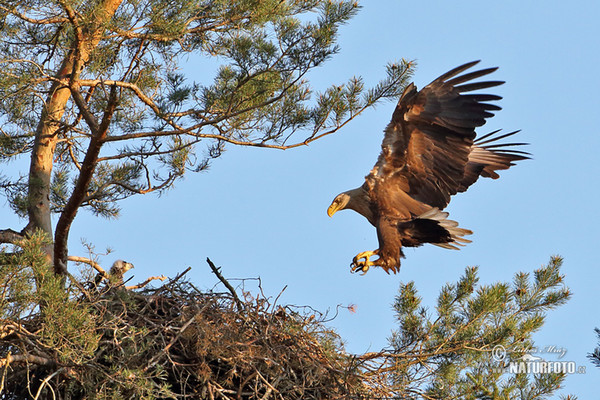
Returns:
point(488, 156)
point(427, 145)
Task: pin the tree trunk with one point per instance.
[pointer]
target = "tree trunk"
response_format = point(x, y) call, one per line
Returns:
point(42, 157)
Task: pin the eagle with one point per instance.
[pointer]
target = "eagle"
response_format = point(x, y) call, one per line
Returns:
point(430, 151)
point(115, 274)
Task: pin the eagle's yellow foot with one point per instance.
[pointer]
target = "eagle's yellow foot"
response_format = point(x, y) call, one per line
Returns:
point(363, 266)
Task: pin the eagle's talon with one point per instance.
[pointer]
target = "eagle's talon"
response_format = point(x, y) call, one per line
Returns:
point(358, 265)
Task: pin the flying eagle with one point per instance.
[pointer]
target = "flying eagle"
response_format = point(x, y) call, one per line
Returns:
point(429, 153)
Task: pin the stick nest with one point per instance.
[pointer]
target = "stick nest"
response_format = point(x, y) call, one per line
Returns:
point(175, 341)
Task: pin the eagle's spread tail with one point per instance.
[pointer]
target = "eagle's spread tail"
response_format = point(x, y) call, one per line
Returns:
point(433, 227)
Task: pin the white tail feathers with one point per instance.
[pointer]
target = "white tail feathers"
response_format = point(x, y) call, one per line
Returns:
point(451, 226)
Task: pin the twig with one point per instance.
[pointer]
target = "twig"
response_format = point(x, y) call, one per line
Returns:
point(79, 285)
point(4, 374)
point(147, 281)
point(157, 357)
point(270, 387)
point(278, 296)
point(178, 277)
point(216, 271)
point(45, 382)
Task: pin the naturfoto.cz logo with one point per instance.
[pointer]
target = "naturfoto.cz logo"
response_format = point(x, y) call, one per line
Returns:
point(530, 364)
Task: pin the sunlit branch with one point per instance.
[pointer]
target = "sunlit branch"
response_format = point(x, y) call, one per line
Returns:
point(87, 261)
point(44, 21)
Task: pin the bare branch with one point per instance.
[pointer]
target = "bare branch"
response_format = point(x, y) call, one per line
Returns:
point(84, 110)
point(147, 281)
point(30, 358)
point(148, 153)
point(10, 236)
point(89, 262)
point(216, 271)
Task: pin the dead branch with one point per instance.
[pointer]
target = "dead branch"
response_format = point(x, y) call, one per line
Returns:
point(216, 271)
point(147, 281)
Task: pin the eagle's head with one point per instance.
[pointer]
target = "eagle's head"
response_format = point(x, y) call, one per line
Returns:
point(356, 199)
point(339, 203)
point(120, 267)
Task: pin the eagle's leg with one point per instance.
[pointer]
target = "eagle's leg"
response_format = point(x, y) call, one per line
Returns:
point(363, 266)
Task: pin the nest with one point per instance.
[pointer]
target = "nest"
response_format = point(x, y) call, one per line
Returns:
point(175, 341)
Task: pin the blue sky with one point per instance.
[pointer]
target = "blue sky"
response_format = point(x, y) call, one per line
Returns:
point(262, 212)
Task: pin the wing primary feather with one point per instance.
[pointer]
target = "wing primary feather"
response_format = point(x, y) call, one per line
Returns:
point(487, 106)
point(481, 140)
point(493, 146)
point(487, 135)
point(470, 76)
point(482, 97)
point(465, 123)
point(478, 85)
point(456, 71)
point(523, 155)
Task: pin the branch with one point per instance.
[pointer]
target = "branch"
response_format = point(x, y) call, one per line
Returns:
point(84, 110)
point(10, 236)
point(132, 154)
point(216, 271)
point(147, 281)
point(44, 21)
point(97, 195)
point(138, 92)
point(99, 132)
point(25, 358)
point(89, 262)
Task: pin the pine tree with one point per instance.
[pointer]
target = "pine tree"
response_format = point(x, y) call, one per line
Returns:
point(463, 350)
point(93, 95)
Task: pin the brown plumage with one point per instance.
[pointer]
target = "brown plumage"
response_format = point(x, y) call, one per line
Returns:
point(429, 153)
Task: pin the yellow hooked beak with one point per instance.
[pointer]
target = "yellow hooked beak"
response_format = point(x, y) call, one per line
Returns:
point(333, 208)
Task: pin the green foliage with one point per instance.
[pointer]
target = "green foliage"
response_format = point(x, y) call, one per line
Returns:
point(450, 354)
point(595, 355)
point(165, 124)
point(30, 287)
